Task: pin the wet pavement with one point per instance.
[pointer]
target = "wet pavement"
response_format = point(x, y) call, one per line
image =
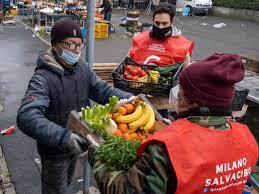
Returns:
point(238, 36)
point(19, 50)
point(18, 53)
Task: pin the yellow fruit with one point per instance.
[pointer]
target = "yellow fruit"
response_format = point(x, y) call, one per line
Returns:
point(151, 122)
point(154, 75)
point(131, 117)
point(143, 79)
point(142, 120)
point(149, 79)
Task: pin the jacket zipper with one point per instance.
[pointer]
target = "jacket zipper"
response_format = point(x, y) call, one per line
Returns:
point(77, 101)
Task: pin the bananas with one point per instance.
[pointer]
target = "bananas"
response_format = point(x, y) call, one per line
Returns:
point(143, 79)
point(151, 122)
point(142, 120)
point(131, 117)
point(154, 76)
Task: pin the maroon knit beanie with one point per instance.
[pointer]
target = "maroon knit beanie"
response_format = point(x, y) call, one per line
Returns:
point(65, 28)
point(211, 81)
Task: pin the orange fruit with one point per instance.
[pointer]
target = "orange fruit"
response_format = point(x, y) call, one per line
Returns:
point(141, 137)
point(133, 135)
point(114, 115)
point(122, 110)
point(123, 127)
point(118, 133)
point(126, 136)
point(129, 107)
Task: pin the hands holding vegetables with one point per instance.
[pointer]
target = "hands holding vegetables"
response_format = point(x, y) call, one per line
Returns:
point(77, 144)
point(123, 125)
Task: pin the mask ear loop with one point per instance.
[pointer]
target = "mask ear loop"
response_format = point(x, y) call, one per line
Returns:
point(60, 49)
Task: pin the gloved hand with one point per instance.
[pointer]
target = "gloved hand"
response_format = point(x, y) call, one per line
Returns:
point(92, 157)
point(76, 144)
point(125, 101)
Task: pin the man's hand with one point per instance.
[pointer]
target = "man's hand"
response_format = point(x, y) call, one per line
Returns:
point(125, 101)
point(76, 144)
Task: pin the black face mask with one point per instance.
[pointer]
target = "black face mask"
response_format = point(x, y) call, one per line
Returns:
point(160, 33)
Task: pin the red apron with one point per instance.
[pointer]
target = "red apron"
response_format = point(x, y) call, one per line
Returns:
point(162, 53)
point(208, 160)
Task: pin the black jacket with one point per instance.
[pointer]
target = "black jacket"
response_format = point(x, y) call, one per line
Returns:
point(52, 93)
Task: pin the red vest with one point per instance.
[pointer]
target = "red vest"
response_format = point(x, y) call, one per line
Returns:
point(208, 160)
point(170, 51)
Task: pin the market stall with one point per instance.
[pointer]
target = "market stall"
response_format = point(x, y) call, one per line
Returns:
point(50, 18)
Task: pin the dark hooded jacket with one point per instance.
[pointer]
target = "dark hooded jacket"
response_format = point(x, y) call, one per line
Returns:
point(52, 93)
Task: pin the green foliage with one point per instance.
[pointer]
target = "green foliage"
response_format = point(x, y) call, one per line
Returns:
point(238, 4)
point(118, 153)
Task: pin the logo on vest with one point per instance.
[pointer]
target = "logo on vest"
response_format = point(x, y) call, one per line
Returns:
point(156, 47)
point(230, 174)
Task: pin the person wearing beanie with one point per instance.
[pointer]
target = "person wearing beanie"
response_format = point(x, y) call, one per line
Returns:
point(202, 151)
point(62, 82)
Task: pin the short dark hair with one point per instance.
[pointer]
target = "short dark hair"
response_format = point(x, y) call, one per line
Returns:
point(165, 8)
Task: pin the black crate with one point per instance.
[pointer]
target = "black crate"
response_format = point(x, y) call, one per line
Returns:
point(135, 87)
point(239, 99)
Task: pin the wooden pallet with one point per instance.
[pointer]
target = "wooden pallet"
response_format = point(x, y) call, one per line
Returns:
point(104, 71)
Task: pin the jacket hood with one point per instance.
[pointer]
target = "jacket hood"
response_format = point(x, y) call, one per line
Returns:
point(48, 61)
point(176, 32)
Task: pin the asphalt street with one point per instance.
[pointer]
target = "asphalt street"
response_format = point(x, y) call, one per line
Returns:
point(18, 53)
point(19, 50)
point(240, 37)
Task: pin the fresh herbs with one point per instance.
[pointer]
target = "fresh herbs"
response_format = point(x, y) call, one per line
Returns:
point(118, 153)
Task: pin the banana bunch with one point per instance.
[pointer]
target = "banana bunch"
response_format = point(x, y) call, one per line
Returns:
point(143, 79)
point(154, 77)
point(142, 118)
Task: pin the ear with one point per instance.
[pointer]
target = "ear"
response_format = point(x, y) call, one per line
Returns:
point(192, 104)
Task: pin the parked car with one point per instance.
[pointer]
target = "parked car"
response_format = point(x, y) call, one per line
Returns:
point(195, 6)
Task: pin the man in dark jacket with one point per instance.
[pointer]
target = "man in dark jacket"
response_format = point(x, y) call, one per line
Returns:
point(62, 82)
point(107, 10)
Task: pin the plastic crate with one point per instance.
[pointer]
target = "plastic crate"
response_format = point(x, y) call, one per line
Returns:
point(101, 35)
point(135, 87)
point(239, 99)
point(101, 27)
point(14, 11)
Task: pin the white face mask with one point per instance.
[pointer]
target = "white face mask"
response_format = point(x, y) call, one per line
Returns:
point(174, 94)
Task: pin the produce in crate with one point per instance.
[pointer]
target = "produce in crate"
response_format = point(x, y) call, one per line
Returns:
point(122, 129)
point(136, 73)
point(158, 82)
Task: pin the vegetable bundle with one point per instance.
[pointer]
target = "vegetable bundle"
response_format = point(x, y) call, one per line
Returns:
point(123, 130)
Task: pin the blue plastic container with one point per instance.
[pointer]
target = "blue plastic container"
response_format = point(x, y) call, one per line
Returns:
point(186, 11)
point(83, 30)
